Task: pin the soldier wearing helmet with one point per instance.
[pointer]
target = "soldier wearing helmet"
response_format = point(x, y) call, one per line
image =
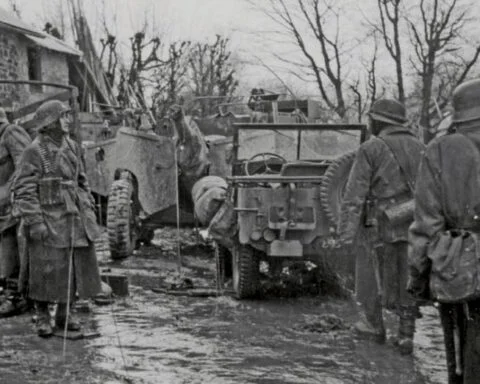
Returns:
point(13, 141)
point(447, 201)
point(53, 199)
point(382, 177)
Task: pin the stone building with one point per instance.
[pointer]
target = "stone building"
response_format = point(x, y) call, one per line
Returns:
point(29, 54)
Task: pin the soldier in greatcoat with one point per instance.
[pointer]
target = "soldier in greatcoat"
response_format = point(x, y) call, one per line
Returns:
point(52, 197)
point(13, 141)
point(383, 176)
point(447, 199)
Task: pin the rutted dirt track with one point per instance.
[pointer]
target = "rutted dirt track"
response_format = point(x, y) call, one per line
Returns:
point(157, 338)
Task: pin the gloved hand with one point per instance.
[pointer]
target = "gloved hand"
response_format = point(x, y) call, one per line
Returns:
point(38, 231)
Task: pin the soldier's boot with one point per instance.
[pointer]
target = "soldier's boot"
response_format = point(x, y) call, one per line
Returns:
point(44, 328)
point(371, 326)
point(14, 305)
point(406, 331)
point(61, 317)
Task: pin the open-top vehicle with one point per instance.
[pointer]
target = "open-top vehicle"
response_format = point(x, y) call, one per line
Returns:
point(286, 196)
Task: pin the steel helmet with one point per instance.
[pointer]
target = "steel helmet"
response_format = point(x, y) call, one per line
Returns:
point(3, 116)
point(388, 111)
point(466, 102)
point(49, 112)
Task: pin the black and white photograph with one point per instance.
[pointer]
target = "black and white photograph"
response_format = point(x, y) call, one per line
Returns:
point(239, 192)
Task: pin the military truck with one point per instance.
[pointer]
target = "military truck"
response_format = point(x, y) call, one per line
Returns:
point(286, 186)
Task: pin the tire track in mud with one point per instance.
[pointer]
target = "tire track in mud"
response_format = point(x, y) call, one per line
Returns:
point(172, 339)
point(218, 340)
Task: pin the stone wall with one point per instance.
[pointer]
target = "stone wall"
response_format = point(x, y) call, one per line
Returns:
point(14, 66)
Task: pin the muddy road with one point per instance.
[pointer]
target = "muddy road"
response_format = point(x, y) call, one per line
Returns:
point(152, 337)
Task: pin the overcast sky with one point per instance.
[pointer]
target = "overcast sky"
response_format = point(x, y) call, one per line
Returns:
point(202, 19)
point(195, 20)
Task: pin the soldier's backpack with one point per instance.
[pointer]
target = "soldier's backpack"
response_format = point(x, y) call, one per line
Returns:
point(455, 259)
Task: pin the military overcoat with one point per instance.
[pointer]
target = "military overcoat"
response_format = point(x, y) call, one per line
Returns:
point(51, 188)
point(377, 174)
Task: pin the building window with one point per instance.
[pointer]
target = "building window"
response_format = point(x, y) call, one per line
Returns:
point(34, 68)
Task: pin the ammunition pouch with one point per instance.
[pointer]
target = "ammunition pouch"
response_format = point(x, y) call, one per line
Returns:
point(54, 191)
point(50, 191)
point(395, 220)
point(391, 216)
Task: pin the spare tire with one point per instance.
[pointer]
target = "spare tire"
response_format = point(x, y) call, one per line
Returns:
point(121, 228)
point(207, 206)
point(206, 183)
point(333, 186)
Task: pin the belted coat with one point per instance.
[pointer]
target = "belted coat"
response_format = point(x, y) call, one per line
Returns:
point(51, 188)
point(447, 197)
point(377, 175)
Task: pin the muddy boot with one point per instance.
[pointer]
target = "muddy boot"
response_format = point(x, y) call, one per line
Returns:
point(367, 330)
point(61, 317)
point(44, 329)
point(371, 326)
point(13, 305)
point(406, 331)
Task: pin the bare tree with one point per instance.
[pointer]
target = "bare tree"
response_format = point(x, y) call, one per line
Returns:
point(109, 56)
point(144, 59)
point(170, 78)
point(365, 94)
point(212, 71)
point(301, 19)
point(451, 71)
point(441, 24)
point(359, 101)
point(373, 92)
point(15, 9)
point(389, 28)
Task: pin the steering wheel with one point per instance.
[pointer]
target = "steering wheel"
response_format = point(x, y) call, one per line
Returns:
point(268, 170)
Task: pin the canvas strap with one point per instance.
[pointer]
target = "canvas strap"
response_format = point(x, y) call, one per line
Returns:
point(410, 183)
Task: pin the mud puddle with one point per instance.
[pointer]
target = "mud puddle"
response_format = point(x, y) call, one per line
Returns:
point(158, 338)
point(164, 339)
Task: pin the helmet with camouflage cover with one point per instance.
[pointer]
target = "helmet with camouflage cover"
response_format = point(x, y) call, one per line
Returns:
point(48, 113)
point(466, 102)
point(388, 111)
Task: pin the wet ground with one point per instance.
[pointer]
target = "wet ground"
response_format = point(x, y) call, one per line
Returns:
point(151, 337)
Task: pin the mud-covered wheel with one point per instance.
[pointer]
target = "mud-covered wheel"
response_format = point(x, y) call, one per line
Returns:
point(333, 186)
point(245, 271)
point(122, 234)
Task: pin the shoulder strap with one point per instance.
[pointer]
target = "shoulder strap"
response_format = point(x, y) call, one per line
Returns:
point(409, 182)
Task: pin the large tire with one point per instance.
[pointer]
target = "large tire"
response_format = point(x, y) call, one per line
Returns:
point(122, 233)
point(246, 271)
point(333, 186)
point(206, 183)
